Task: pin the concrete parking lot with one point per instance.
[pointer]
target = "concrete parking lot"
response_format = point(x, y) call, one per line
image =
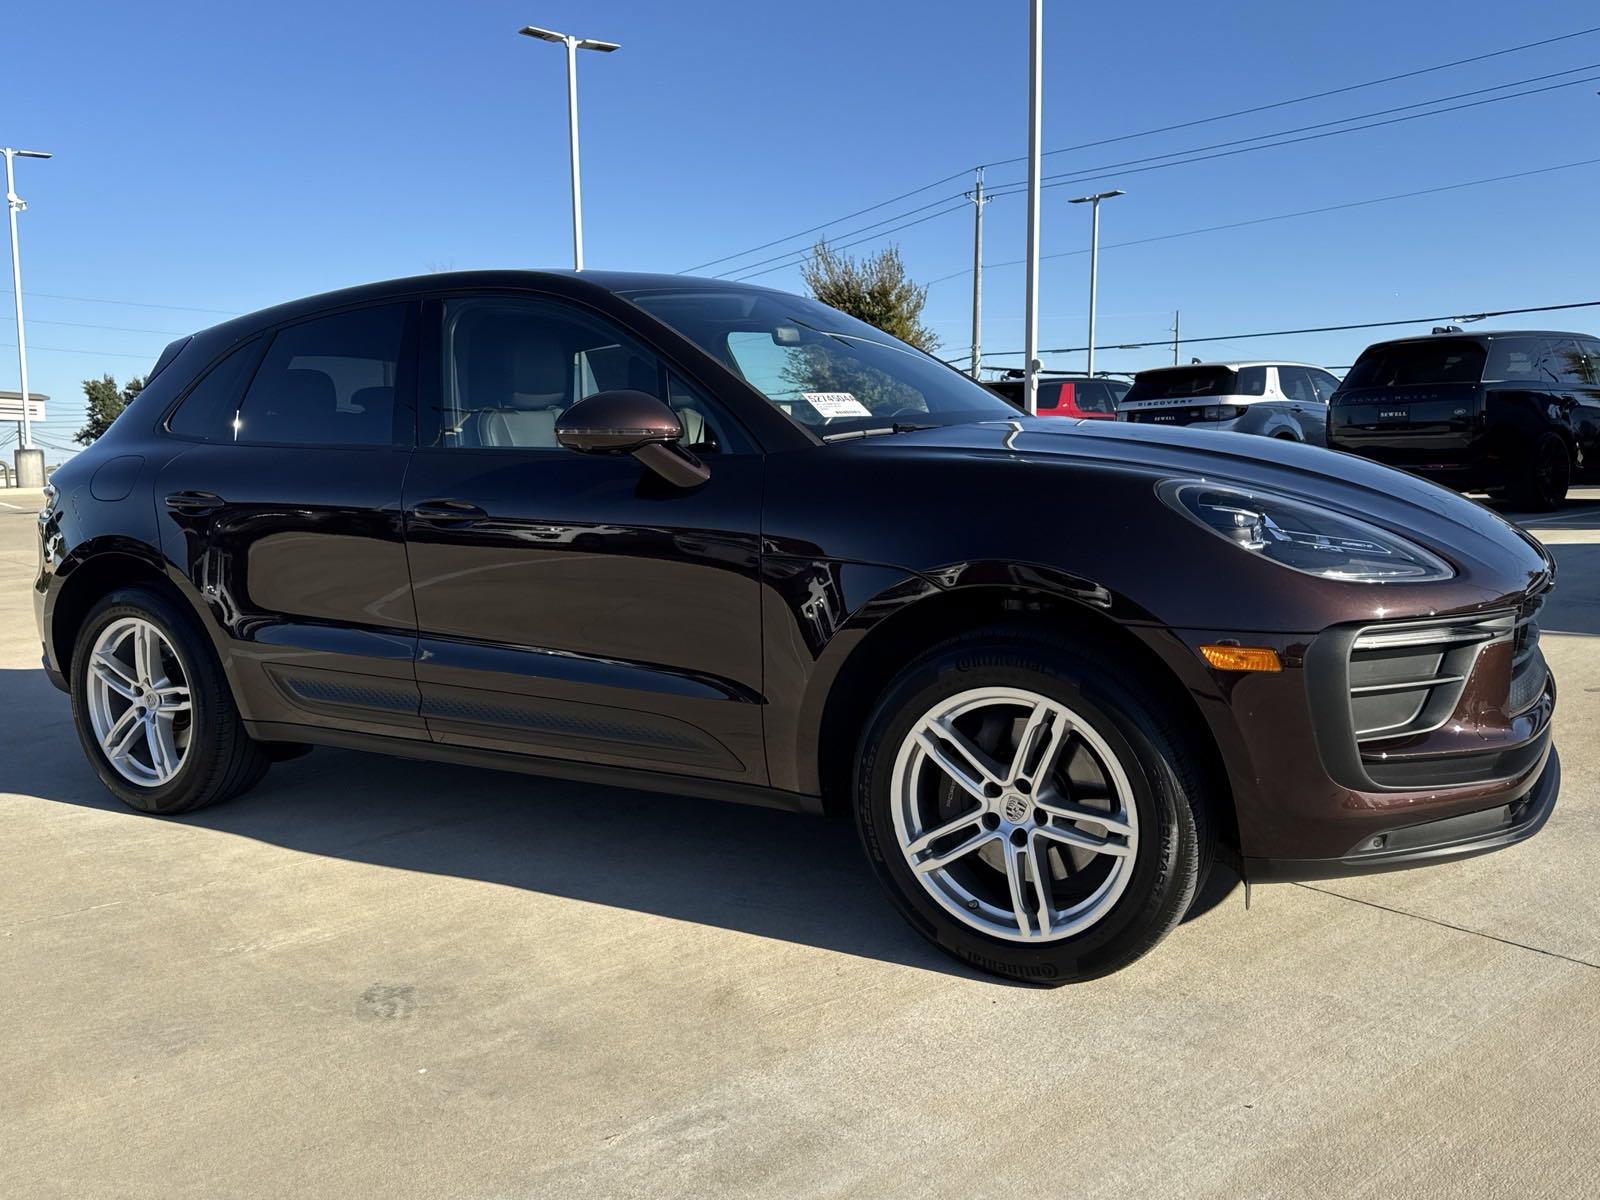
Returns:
point(375, 977)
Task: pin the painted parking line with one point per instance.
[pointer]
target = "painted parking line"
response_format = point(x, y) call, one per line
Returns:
point(12, 507)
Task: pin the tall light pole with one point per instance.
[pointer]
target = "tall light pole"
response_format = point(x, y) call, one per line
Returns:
point(1030, 339)
point(573, 45)
point(15, 204)
point(978, 201)
point(1094, 258)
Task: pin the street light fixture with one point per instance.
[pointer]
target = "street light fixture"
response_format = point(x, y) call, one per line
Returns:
point(1094, 258)
point(573, 45)
point(15, 204)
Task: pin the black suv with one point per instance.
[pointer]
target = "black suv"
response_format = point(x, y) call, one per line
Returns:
point(1514, 413)
point(697, 536)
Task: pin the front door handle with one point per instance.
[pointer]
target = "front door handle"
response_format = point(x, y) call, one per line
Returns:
point(447, 512)
point(194, 504)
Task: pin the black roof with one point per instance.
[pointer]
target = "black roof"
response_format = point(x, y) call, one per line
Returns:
point(567, 282)
point(1484, 335)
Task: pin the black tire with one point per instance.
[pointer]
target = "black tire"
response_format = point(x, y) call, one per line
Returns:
point(1544, 482)
point(222, 760)
point(1134, 719)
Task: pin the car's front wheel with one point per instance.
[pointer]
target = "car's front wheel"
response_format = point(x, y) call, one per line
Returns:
point(153, 710)
point(1031, 807)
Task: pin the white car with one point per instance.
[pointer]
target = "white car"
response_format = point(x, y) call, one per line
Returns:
point(1275, 399)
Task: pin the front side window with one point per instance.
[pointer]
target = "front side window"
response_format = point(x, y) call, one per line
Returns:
point(1563, 363)
point(1325, 383)
point(826, 371)
point(512, 365)
point(330, 381)
point(1096, 396)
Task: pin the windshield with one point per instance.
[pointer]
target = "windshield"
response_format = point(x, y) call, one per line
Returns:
point(831, 373)
point(1407, 364)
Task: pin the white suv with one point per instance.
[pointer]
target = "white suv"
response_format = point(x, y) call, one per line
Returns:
point(1287, 400)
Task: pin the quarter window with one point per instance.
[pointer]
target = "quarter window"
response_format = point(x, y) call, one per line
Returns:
point(208, 411)
point(513, 365)
point(329, 381)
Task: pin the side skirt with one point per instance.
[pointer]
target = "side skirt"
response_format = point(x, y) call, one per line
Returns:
point(603, 775)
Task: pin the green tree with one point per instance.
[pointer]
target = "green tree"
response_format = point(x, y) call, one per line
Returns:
point(875, 290)
point(105, 401)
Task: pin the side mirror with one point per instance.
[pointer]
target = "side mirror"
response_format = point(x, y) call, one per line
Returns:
point(636, 423)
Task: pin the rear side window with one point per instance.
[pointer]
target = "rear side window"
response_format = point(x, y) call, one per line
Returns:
point(330, 381)
point(1409, 364)
point(1096, 396)
point(1513, 360)
point(1051, 395)
point(208, 411)
point(1295, 383)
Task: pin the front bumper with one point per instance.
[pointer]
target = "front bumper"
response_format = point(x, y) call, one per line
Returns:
point(1432, 842)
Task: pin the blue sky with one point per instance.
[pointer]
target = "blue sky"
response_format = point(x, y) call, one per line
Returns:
point(223, 157)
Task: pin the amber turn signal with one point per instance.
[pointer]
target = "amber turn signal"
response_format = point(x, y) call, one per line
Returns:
point(1242, 658)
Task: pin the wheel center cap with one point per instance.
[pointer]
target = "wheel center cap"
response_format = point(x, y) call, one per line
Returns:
point(1014, 807)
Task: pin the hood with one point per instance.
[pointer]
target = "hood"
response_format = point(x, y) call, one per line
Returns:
point(1460, 530)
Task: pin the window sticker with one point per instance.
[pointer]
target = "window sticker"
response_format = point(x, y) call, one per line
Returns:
point(836, 404)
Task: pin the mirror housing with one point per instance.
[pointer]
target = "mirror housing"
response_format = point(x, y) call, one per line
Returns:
point(624, 421)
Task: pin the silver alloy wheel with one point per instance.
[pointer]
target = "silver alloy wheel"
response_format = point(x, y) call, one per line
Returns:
point(1014, 814)
point(139, 705)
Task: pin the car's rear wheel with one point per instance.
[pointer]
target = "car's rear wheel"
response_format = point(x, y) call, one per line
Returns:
point(1031, 807)
point(1544, 484)
point(153, 710)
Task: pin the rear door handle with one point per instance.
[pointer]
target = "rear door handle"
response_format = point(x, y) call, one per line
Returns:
point(195, 504)
point(447, 512)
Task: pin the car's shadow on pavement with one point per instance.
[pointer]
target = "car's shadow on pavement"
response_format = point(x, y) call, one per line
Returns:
point(769, 873)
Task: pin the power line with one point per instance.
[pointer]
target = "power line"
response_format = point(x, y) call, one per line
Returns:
point(1354, 87)
point(807, 256)
point(133, 303)
point(89, 325)
point(1304, 212)
point(1062, 180)
point(1198, 154)
point(80, 350)
point(851, 233)
point(1338, 91)
point(818, 228)
point(1235, 337)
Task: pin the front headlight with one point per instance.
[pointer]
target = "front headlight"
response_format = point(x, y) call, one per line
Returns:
point(1302, 536)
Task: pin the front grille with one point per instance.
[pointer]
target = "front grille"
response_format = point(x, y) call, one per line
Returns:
point(1406, 678)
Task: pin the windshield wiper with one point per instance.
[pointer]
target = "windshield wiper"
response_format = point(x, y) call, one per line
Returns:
point(897, 427)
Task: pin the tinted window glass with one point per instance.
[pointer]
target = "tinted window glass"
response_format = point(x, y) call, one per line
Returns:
point(1096, 396)
point(1514, 360)
point(210, 407)
point(1176, 383)
point(1406, 364)
point(827, 371)
point(512, 366)
point(1053, 395)
point(1591, 349)
point(1252, 382)
point(330, 382)
point(1295, 383)
point(1563, 363)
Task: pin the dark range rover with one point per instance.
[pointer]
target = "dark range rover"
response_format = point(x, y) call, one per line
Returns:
point(702, 537)
point(1514, 413)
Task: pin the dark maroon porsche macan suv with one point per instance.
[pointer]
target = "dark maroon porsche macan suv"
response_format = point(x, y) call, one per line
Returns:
point(702, 537)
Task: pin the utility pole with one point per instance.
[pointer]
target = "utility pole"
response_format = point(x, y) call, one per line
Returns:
point(1030, 378)
point(1094, 259)
point(573, 45)
point(978, 201)
point(1174, 337)
point(14, 205)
